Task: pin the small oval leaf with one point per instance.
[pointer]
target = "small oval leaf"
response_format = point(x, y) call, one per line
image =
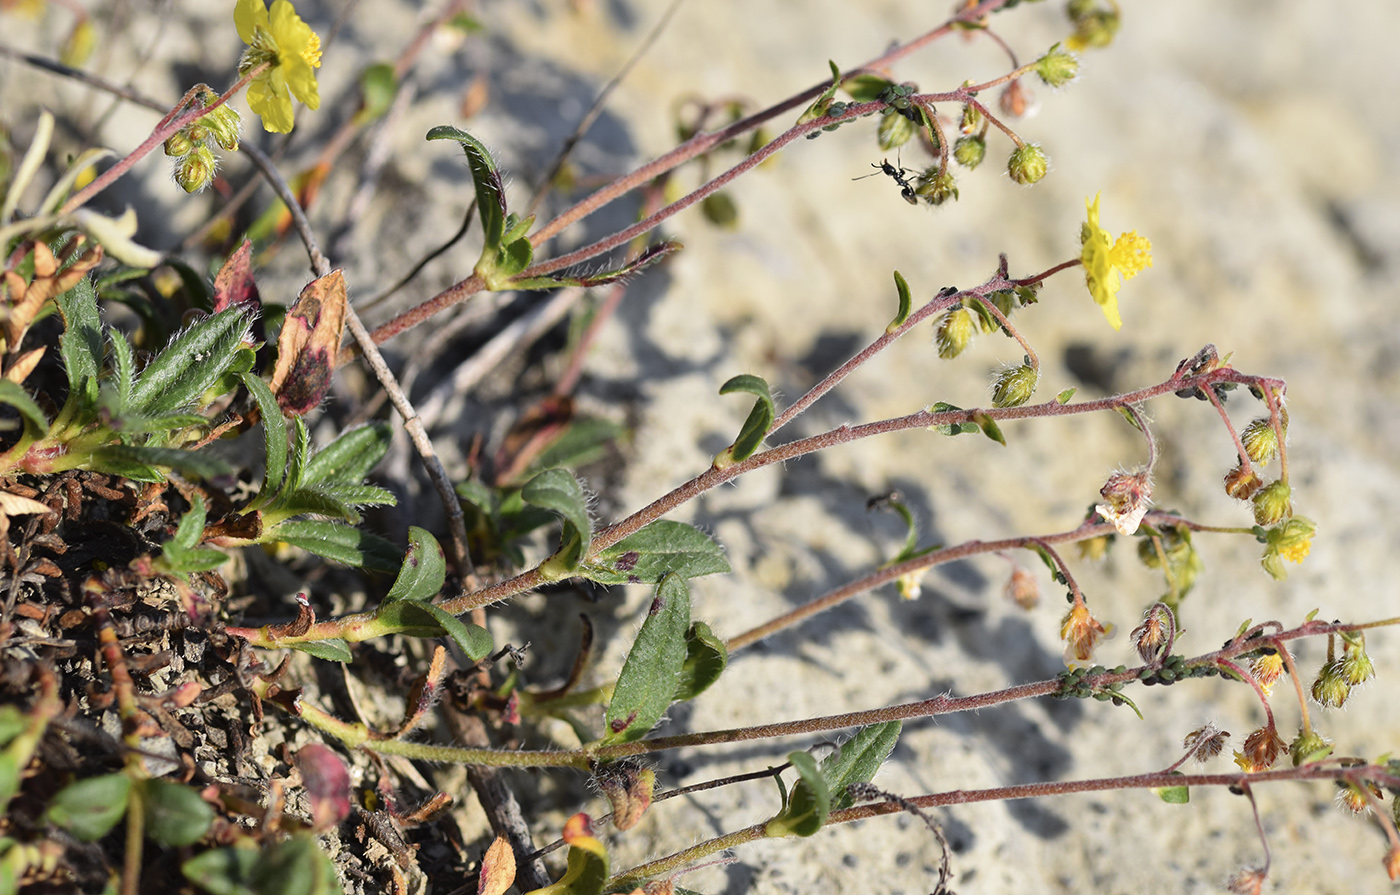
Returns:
point(651, 674)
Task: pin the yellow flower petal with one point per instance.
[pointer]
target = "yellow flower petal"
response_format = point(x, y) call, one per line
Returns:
point(1107, 263)
point(280, 40)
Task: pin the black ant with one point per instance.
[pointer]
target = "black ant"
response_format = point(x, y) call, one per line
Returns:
point(906, 189)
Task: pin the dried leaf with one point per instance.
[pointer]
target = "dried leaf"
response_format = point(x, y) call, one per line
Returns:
point(497, 869)
point(308, 345)
point(327, 784)
point(234, 285)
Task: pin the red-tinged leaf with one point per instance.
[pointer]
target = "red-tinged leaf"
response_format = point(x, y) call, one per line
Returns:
point(327, 784)
point(308, 345)
point(497, 869)
point(234, 284)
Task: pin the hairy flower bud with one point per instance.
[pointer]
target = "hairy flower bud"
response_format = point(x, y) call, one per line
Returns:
point(225, 127)
point(1356, 666)
point(178, 145)
point(1153, 636)
point(969, 151)
point(1331, 688)
point(1242, 484)
point(1014, 386)
point(894, 131)
point(936, 186)
point(954, 332)
point(196, 170)
point(1273, 503)
point(1028, 164)
point(1307, 747)
point(628, 786)
point(1057, 67)
point(1259, 440)
point(1261, 749)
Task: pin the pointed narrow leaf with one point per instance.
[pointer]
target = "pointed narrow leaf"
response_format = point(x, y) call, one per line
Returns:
point(118, 456)
point(350, 457)
point(959, 428)
point(858, 759)
point(424, 569)
point(1064, 396)
point(337, 541)
point(661, 547)
point(14, 395)
point(274, 437)
point(906, 303)
point(190, 362)
point(756, 427)
point(334, 650)
point(475, 641)
point(124, 368)
point(559, 492)
point(647, 258)
point(419, 619)
point(989, 427)
point(81, 344)
point(651, 674)
point(490, 193)
point(705, 660)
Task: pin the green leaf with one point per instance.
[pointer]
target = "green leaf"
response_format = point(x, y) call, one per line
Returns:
point(661, 547)
point(1064, 396)
point(581, 442)
point(81, 342)
point(333, 650)
point(1173, 795)
point(414, 619)
point(349, 458)
point(423, 571)
point(705, 660)
point(490, 201)
point(559, 492)
point(274, 438)
point(651, 674)
point(190, 362)
point(129, 459)
point(587, 870)
point(858, 759)
point(13, 394)
point(808, 804)
point(191, 527)
point(647, 258)
point(906, 303)
point(962, 428)
point(755, 427)
point(175, 814)
point(295, 866)
point(181, 561)
point(989, 427)
point(865, 87)
point(124, 368)
point(89, 808)
point(337, 541)
point(223, 871)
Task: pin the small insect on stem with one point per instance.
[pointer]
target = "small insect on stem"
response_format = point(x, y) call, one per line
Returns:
point(900, 175)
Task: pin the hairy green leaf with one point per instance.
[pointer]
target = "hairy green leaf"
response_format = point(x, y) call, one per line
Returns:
point(808, 804)
point(129, 460)
point(419, 619)
point(756, 427)
point(906, 303)
point(81, 349)
point(989, 427)
point(13, 394)
point(559, 492)
point(123, 368)
point(337, 541)
point(349, 458)
point(274, 438)
point(651, 674)
point(190, 363)
point(962, 428)
point(858, 759)
point(661, 547)
point(705, 660)
point(647, 258)
point(423, 571)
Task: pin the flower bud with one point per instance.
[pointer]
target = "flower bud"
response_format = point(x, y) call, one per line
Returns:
point(1266, 670)
point(971, 119)
point(1259, 440)
point(178, 145)
point(1023, 589)
point(954, 332)
point(969, 151)
point(1014, 386)
point(1356, 665)
point(1331, 689)
point(1150, 638)
point(1351, 798)
point(197, 132)
point(1308, 747)
point(1273, 503)
point(196, 170)
point(224, 126)
point(1093, 27)
point(1028, 164)
point(628, 786)
point(1057, 67)
point(936, 186)
point(1261, 749)
point(894, 131)
point(1242, 484)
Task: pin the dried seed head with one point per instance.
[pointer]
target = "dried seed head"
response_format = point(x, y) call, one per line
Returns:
point(1204, 743)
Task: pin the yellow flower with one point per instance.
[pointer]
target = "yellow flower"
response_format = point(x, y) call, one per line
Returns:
point(1108, 263)
point(291, 50)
